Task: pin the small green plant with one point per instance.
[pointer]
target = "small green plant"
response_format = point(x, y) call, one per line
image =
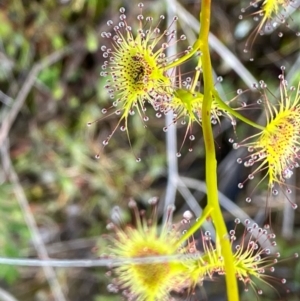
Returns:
point(14, 233)
point(176, 263)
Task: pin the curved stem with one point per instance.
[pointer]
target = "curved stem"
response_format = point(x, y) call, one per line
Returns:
point(236, 114)
point(211, 162)
point(182, 59)
point(199, 66)
point(205, 214)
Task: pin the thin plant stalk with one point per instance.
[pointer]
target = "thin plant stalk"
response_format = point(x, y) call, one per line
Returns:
point(211, 162)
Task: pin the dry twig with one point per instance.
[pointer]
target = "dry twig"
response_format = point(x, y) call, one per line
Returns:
point(10, 115)
point(31, 223)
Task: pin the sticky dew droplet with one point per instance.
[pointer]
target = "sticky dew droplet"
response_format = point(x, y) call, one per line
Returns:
point(237, 221)
point(188, 215)
point(235, 145)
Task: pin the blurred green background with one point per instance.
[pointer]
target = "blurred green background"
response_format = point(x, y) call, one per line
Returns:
point(51, 151)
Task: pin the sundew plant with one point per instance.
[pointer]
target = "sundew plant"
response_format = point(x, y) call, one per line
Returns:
point(145, 76)
point(184, 185)
point(143, 72)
